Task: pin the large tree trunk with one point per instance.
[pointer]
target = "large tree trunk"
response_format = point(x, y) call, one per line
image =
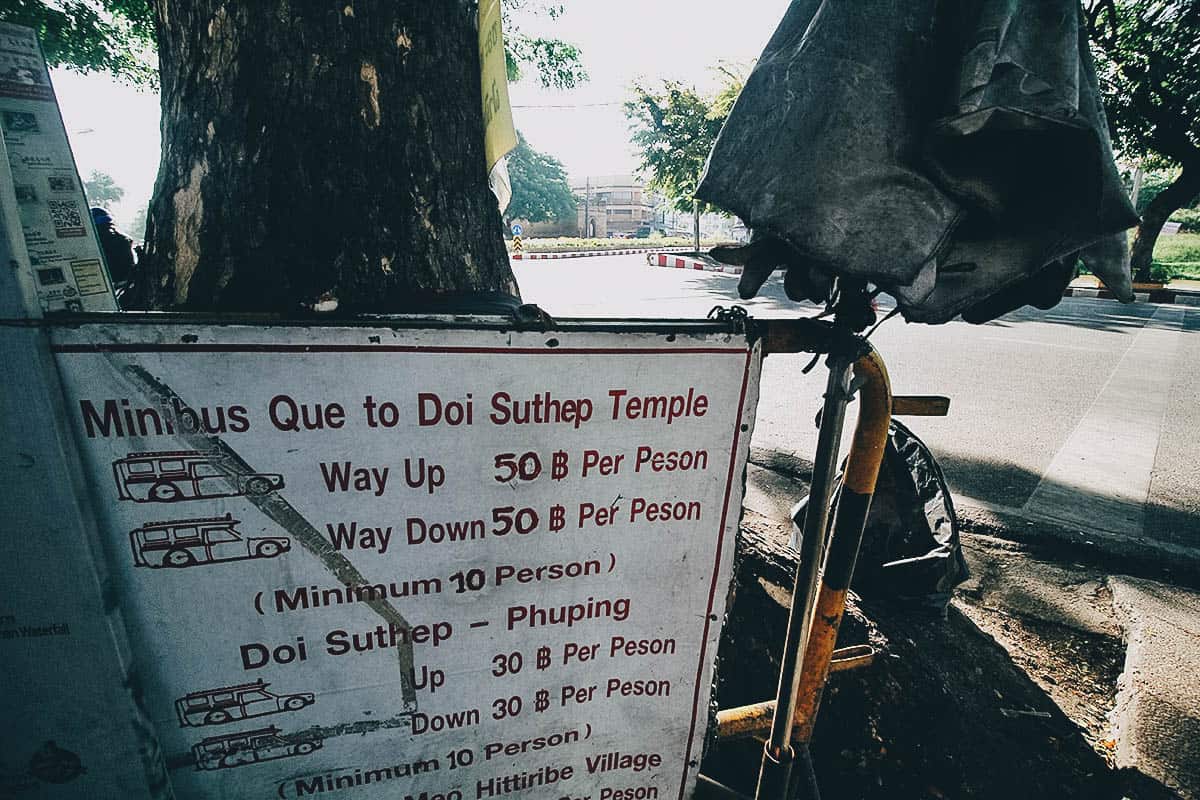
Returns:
point(321, 149)
point(1181, 192)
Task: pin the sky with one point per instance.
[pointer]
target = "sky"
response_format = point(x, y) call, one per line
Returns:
point(114, 128)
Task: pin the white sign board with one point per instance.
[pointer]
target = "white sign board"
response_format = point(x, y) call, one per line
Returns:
point(456, 563)
point(63, 255)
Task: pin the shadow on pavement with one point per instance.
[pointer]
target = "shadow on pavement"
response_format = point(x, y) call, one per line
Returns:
point(1089, 313)
point(1170, 551)
point(1009, 485)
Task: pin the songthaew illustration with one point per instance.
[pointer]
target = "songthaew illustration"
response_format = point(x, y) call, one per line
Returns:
point(954, 154)
point(250, 747)
point(230, 703)
point(207, 540)
point(167, 477)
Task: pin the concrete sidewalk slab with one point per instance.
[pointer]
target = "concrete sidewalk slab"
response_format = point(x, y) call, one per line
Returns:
point(1157, 716)
point(1100, 477)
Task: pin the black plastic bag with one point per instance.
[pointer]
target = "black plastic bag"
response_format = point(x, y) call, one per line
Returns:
point(911, 549)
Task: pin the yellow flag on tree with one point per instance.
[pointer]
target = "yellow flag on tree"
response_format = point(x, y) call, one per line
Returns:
point(500, 136)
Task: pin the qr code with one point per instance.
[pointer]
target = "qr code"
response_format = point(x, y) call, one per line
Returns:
point(66, 218)
point(20, 122)
point(51, 277)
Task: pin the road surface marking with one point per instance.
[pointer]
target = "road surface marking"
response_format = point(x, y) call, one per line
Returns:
point(1100, 477)
point(1036, 343)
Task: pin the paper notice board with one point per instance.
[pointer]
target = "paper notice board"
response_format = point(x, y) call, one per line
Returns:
point(39, 178)
point(443, 563)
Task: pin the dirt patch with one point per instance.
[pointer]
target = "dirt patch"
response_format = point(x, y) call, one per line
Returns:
point(1078, 670)
point(944, 712)
point(1056, 621)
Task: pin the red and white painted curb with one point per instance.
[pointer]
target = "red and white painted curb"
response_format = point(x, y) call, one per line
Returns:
point(1183, 297)
point(584, 254)
point(687, 262)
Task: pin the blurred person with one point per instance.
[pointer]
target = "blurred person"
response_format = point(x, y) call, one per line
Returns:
point(118, 254)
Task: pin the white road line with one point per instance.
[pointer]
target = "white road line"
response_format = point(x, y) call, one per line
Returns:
point(1100, 477)
point(1036, 343)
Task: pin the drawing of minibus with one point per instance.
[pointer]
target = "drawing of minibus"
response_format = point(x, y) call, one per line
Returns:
point(168, 477)
point(191, 542)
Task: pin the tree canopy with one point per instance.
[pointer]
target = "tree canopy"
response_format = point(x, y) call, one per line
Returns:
point(100, 189)
point(114, 36)
point(557, 64)
point(118, 37)
point(674, 127)
point(1148, 54)
point(540, 190)
point(367, 187)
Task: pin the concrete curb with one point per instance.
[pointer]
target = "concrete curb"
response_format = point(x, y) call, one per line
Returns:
point(1134, 556)
point(689, 262)
point(589, 253)
point(1155, 722)
point(1185, 297)
point(776, 471)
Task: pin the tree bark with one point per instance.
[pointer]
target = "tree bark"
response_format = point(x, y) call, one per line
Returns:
point(1181, 191)
point(321, 150)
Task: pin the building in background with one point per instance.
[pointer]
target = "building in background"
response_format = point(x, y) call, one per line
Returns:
point(620, 206)
point(614, 206)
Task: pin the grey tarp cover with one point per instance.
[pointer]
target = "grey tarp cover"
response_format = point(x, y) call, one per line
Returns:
point(953, 152)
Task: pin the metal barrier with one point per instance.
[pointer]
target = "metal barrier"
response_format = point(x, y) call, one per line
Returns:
point(819, 593)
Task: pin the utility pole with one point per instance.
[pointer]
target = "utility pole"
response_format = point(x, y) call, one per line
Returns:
point(1138, 176)
point(587, 210)
point(696, 222)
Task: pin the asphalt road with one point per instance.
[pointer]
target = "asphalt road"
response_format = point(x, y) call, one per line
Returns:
point(1085, 415)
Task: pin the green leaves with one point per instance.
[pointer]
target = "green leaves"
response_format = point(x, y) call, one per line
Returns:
point(539, 185)
point(101, 189)
point(558, 64)
point(1148, 63)
point(115, 36)
point(1148, 54)
point(118, 37)
point(674, 127)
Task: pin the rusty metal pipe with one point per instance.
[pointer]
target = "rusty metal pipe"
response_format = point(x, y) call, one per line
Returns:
point(816, 524)
point(775, 773)
point(867, 450)
point(920, 405)
point(745, 721)
point(813, 625)
point(858, 487)
point(755, 719)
